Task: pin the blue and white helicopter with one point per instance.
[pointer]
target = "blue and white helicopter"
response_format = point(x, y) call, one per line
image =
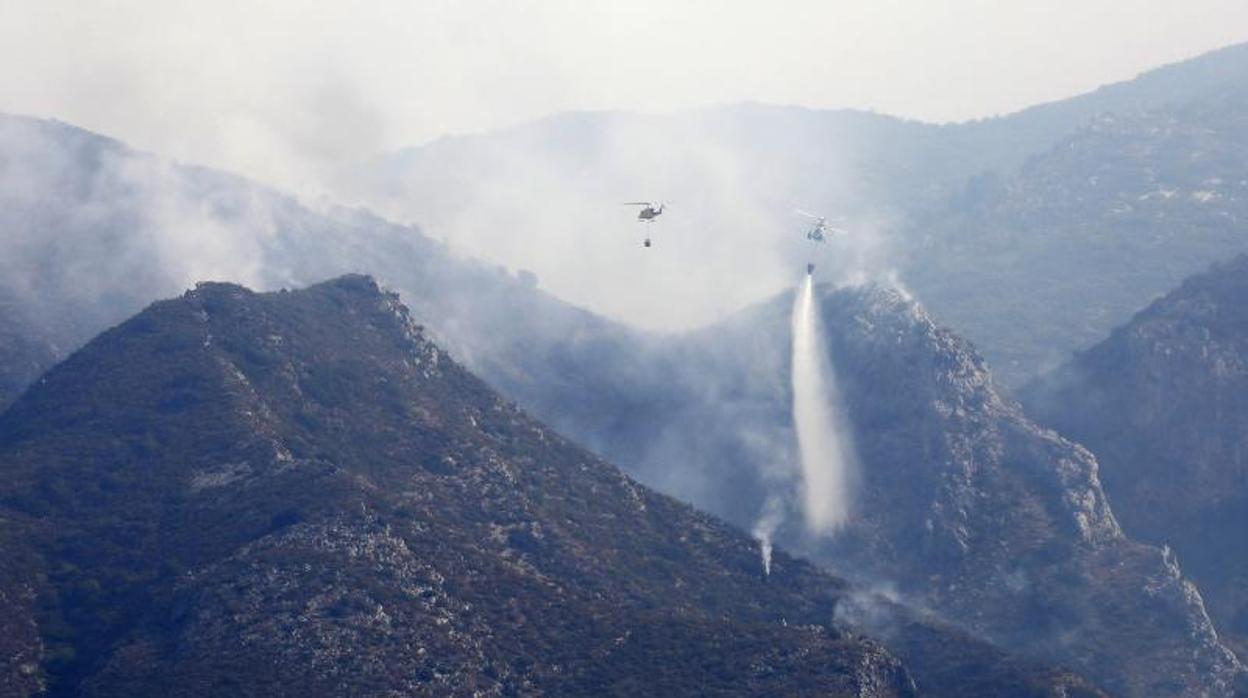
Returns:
point(819, 231)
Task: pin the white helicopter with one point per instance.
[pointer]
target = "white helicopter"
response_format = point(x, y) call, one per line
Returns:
point(648, 213)
point(819, 231)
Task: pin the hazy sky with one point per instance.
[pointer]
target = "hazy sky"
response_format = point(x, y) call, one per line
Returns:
point(262, 86)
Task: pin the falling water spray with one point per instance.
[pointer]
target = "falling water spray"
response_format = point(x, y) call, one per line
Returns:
point(822, 437)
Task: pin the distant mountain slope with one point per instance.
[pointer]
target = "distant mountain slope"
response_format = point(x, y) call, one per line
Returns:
point(91, 232)
point(1039, 263)
point(996, 223)
point(1035, 129)
point(963, 504)
point(24, 354)
point(1164, 401)
point(298, 493)
point(734, 174)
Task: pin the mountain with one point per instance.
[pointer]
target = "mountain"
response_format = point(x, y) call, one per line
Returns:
point(1035, 129)
point(1037, 264)
point(24, 355)
point(963, 505)
point(734, 175)
point(92, 231)
point(298, 493)
point(1164, 402)
point(702, 416)
point(992, 520)
point(1032, 233)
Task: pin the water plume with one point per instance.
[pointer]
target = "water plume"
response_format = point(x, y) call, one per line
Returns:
point(823, 440)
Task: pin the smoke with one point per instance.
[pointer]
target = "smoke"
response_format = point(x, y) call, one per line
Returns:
point(91, 231)
point(546, 197)
point(823, 440)
point(765, 528)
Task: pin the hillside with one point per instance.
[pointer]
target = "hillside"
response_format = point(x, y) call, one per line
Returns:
point(1036, 264)
point(997, 224)
point(963, 504)
point(1032, 233)
point(93, 231)
point(1164, 402)
point(298, 492)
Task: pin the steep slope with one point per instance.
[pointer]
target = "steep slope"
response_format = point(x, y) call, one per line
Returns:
point(968, 505)
point(962, 504)
point(24, 354)
point(92, 231)
point(1036, 264)
point(298, 493)
point(1164, 402)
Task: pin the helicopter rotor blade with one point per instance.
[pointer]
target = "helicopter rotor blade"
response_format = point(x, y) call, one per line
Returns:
point(812, 216)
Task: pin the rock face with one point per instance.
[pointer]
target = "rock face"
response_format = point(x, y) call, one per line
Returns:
point(962, 504)
point(298, 493)
point(1164, 403)
point(966, 504)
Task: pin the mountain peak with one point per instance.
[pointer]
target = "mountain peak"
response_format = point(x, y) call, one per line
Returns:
point(296, 492)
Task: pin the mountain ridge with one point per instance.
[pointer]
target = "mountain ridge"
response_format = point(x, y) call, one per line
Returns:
point(964, 505)
point(1161, 400)
point(297, 491)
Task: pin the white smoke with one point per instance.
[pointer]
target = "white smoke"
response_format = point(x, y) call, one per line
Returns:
point(822, 438)
point(765, 528)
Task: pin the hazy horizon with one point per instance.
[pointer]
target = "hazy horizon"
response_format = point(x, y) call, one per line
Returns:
point(278, 90)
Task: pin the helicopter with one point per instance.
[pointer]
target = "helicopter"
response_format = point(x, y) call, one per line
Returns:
point(819, 230)
point(648, 213)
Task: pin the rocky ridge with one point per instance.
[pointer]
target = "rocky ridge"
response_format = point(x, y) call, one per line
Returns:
point(294, 493)
point(1162, 401)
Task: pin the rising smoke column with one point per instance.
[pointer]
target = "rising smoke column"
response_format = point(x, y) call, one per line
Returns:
point(765, 528)
point(822, 437)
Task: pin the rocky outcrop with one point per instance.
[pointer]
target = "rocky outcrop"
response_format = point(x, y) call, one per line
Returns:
point(1164, 403)
point(962, 504)
point(989, 519)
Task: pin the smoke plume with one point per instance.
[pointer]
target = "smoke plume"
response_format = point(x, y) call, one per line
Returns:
point(765, 528)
